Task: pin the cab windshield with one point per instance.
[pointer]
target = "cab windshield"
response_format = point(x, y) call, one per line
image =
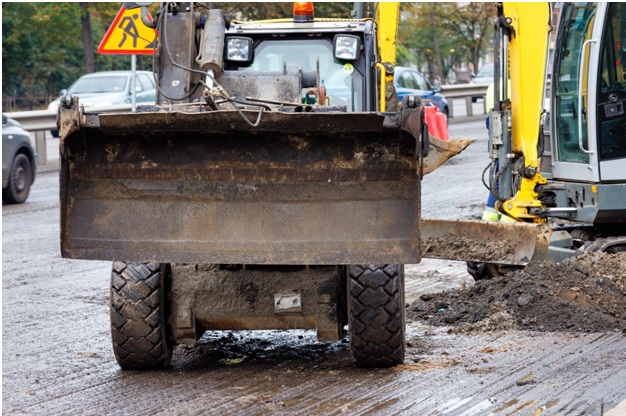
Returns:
point(343, 82)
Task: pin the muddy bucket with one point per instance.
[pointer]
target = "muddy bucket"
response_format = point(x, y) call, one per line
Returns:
point(189, 187)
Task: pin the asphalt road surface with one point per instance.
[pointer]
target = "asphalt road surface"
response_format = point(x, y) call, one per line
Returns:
point(57, 356)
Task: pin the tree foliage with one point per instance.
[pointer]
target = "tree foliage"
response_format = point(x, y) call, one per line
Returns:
point(441, 35)
point(48, 45)
point(42, 45)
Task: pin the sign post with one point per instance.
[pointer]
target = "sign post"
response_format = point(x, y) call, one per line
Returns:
point(133, 82)
point(127, 35)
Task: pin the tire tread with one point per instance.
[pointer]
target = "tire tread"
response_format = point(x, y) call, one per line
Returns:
point(376, 319)
point(138, 316)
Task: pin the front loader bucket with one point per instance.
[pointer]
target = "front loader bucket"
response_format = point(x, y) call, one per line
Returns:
point(190, 187)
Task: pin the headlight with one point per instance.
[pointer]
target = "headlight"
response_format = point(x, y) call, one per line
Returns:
point(347, 47)
point(239, 49)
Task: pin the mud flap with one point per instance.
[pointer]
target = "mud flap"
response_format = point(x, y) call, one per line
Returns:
point(484, 241)
point(182, 187)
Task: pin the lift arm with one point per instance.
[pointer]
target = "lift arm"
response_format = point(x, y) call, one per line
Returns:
point(387, 20)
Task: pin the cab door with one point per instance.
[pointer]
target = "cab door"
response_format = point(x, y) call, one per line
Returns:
point(611, 95)
point(589, 93)
point(573, 93)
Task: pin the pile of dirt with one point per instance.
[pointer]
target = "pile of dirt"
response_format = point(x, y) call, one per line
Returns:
point(581, 294)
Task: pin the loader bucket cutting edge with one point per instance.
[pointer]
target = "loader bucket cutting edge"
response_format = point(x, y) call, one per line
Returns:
point(313, 188)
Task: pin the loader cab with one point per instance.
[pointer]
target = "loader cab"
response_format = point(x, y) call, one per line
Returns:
point(313, 49)
point(589, 93)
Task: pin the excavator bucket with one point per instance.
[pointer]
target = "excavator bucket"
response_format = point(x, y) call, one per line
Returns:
point(506, 243)
point(188, 186)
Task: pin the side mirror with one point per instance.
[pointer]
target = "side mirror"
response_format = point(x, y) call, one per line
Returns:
point(437, 88)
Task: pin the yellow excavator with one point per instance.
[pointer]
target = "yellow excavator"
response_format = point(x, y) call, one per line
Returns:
point(274, 185)
point(558, 138)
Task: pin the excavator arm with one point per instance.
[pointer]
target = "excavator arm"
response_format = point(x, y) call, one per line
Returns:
point(387, 17)
point(467, 240)
point(523, 30)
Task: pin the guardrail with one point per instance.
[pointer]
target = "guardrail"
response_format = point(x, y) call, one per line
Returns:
point(466, 92)
point(40, 121)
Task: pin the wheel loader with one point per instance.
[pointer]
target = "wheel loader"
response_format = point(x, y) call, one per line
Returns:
point(274, 185)
point(558, 148)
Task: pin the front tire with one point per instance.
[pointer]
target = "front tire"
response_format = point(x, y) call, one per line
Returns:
point(20, 179)
point(139, 312)
point(376, 316)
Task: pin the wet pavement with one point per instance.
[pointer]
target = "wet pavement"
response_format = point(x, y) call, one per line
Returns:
point(57, 356)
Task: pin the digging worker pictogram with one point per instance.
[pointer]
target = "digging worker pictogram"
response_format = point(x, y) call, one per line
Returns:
point(130, 29)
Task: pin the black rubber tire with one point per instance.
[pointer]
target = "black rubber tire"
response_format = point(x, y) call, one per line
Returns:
point(376, 316)
point(139, 312)
point(20, 179)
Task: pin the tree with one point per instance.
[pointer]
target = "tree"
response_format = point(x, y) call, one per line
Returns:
point(35, 59)
point(472, 26)
point(90, 65)
point(47, 46)
point(439, 36)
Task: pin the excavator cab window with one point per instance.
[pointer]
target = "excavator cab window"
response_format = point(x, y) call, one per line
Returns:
point(571, 49)
point(612, 88)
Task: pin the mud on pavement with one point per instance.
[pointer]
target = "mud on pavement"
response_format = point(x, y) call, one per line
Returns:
point(581, 294)
point(57, 355)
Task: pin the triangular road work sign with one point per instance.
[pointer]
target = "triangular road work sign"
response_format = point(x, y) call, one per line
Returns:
point(128, 35)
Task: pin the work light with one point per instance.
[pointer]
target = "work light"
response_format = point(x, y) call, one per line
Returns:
point(347, 47)
point(238, 49)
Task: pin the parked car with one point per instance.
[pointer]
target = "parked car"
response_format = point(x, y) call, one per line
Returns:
point(483, 77)
point(409, 81)
point(102, 89)
point(19, 162)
